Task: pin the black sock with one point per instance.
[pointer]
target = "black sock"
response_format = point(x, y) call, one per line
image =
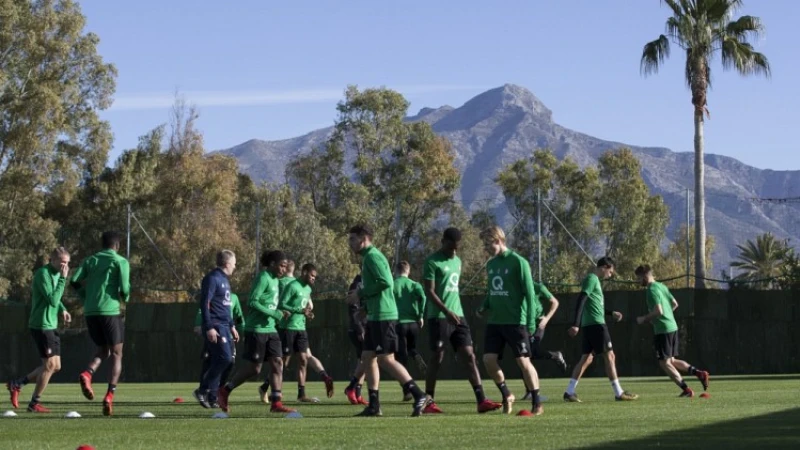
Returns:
point(480, 397)
point(90, 370)
point(536, 400)
point(358, 391)
point(112, 388)
point(276, 396)
point(692, 370)
point(323, 375)
point(34, 399)
point(504, 390)
point(374, 399)
point(353, 383)
point(301, 391)
point(405, 389)
point(265, 386)
point(229, 386)
point(430, 393)
point(683, 385)
point(21, 381)
point(412, 387)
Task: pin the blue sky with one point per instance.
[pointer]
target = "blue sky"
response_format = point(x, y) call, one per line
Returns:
point(273, 70)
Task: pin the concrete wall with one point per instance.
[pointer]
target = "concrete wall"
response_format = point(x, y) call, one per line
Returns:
point(728, 332)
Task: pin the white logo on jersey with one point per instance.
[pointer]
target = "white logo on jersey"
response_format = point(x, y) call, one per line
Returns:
point(497, 286)
point(378, 348)
point(452, 282)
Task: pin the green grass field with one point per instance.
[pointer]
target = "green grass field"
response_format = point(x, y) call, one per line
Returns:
point(743, 412)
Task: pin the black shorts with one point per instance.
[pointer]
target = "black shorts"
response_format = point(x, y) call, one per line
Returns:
point(516, 336)
point(106, 331)
point(666, 345)
point(442, 330)
point(259, 346)
point(48, 342)
point(380, 337)
point(294, 341)
point(357, 341)
point(596, 339)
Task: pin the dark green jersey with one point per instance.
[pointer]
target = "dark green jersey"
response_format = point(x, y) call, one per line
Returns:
point(107, 277)
point(511, 293)
point(658, 294)
point(445, 273)
point(542, 295)
point(236, 313)
point(46, 292)
point(282, 283)
point(294, 298)
point(377, 292)
point(410, 298)
point(263, 304)
point(594, 312)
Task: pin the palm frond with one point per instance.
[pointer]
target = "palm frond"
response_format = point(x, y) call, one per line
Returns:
point(718, 11)
point(653, 55)
point(741, 56)
point(744, 27)
point(677, 10)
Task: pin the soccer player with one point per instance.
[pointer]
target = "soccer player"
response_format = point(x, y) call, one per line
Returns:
point(661, 304)
point(107, 283)
point(410, 299)
point(536, 327)
point(295, 299)
point(589, 318)
point(261, 340)
point(356, 334)
point(313, 363)
point(238, 321)
point(380, 339)
point(507, 307)
point(46, 306)
point(446, 322)
point(217, 326)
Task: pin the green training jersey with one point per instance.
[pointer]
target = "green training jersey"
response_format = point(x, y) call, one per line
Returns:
point(107, 276)
point(658, 294)
point(377, 292)
point(594, 311)
point(542, 295)
point(236, 313)
point(410, 299)
point(511, 293)
point(445, 273)
point(262, 304)
point(46, 292)
point(282, 283)
point(295, 298)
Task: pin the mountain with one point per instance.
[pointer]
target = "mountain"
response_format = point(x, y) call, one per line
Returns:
point(505, 124)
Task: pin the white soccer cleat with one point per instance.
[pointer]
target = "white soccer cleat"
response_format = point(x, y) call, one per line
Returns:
point(9, 414)
point(72, 415)
point(147, 415)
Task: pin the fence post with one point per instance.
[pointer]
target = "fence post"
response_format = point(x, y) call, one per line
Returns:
point(539, 230)
point(688, 247)
point(128, 234)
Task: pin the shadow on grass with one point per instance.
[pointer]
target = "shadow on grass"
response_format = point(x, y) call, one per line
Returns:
point(774, 430)
point(662, 378)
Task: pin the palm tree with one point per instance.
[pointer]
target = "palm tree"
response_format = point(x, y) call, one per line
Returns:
point(764, 259)
point(703, 28)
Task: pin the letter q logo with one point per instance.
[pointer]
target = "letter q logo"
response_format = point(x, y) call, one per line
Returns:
point(453, 279)
point(497, 283)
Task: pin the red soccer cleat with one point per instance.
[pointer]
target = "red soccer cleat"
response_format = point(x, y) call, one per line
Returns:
point(328, 386)
point(277, 407)
point(432, 408)
point(361, 401)
point(222, 399)
point(13, 391)
point(108, 404)
point(38, 408)
point(351, 396)
point(525, 413)
point(86, 385)
point(487, 405)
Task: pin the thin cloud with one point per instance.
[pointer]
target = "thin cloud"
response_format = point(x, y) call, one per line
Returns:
point(165, 100)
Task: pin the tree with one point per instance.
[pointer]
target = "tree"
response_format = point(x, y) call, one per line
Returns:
point(763, 261)
point(52, 84)
point(672, 263)
point(703, 28)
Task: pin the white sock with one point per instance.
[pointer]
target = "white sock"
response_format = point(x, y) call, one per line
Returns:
point(617, 388)
point(573, 383)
